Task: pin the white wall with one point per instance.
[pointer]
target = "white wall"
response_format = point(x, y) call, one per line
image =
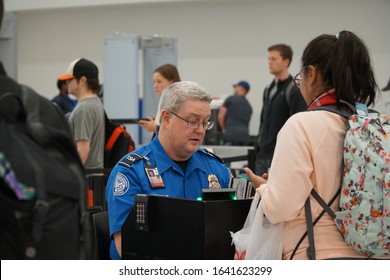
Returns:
point(23, 5)
point(219, 42)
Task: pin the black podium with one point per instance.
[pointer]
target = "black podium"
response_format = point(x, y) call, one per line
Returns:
point(179, 229)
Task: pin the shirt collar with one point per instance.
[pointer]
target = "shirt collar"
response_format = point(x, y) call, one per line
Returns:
point(164, 162)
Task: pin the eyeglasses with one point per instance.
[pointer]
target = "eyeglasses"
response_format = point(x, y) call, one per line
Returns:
point(298, 77)
point(192, 124)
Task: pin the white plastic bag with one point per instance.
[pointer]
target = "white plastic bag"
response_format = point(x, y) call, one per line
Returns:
point(240, 238)
point(258, 239)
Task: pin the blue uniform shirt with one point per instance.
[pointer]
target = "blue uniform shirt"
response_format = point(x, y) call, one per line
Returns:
point(128, 178)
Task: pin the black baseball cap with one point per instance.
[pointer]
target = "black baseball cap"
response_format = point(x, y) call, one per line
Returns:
point(79, 68)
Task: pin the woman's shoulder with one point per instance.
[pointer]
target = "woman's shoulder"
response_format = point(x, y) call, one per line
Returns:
point(316, 117)
point(314, 123)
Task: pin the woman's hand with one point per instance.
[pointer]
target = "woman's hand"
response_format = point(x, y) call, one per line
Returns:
point(256, 180)
point(149, 124)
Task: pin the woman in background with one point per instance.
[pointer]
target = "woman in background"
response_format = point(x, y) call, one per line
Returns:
point(163, 76)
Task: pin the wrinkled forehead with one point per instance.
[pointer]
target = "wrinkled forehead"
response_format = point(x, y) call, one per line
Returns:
point(196, 108)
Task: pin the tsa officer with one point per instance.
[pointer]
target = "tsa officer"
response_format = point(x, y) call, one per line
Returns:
point(173, 163)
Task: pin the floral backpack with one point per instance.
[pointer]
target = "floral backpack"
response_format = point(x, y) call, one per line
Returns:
point(364, 216)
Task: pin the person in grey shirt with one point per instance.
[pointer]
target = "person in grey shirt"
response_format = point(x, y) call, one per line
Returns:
point(234, 116)
point(87, 119)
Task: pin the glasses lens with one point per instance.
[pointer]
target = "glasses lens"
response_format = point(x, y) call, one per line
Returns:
point(192, 124)
point(297, 79)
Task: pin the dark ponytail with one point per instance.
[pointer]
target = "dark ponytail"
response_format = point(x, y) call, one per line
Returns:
point(345, 65)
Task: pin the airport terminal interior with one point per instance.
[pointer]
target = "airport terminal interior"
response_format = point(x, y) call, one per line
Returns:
point(215, 43)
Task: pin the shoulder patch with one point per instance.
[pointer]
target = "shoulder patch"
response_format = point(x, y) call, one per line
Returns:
point(130, 160)
point(121, 185)
point(207, 152)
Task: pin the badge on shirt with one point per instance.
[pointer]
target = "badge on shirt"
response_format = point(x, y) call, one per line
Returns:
point(121, 185)
point(213, 182)
point(153, 176)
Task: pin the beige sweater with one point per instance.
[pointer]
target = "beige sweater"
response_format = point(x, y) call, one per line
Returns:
point(308, 154)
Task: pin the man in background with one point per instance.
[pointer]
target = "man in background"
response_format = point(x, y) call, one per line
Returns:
point(281, 99)
point(63, 100)
point(86, 122)
point(234, 116)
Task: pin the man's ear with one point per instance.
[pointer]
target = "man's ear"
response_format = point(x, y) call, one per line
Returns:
point(165, 116)
point(286, 62)
point(83, 80)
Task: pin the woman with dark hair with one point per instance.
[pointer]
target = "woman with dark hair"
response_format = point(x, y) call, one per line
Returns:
point(163, 76)
point(309, 149)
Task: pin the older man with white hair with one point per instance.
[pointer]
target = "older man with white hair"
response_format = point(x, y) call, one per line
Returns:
point(173, 163)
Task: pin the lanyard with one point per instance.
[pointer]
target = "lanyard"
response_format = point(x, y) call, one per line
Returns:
point(326, 98)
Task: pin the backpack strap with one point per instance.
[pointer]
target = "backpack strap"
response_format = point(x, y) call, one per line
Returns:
point(86, 230)
point(350, 109)
point(114, 136)
point(311, 250)
point(323, 204)
point(310, 225)
point(335, 110)
point(288, 91)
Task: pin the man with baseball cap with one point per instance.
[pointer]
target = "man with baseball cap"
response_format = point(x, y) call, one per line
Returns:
point(243, 84)
point(234, 116)
point(87, 119)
